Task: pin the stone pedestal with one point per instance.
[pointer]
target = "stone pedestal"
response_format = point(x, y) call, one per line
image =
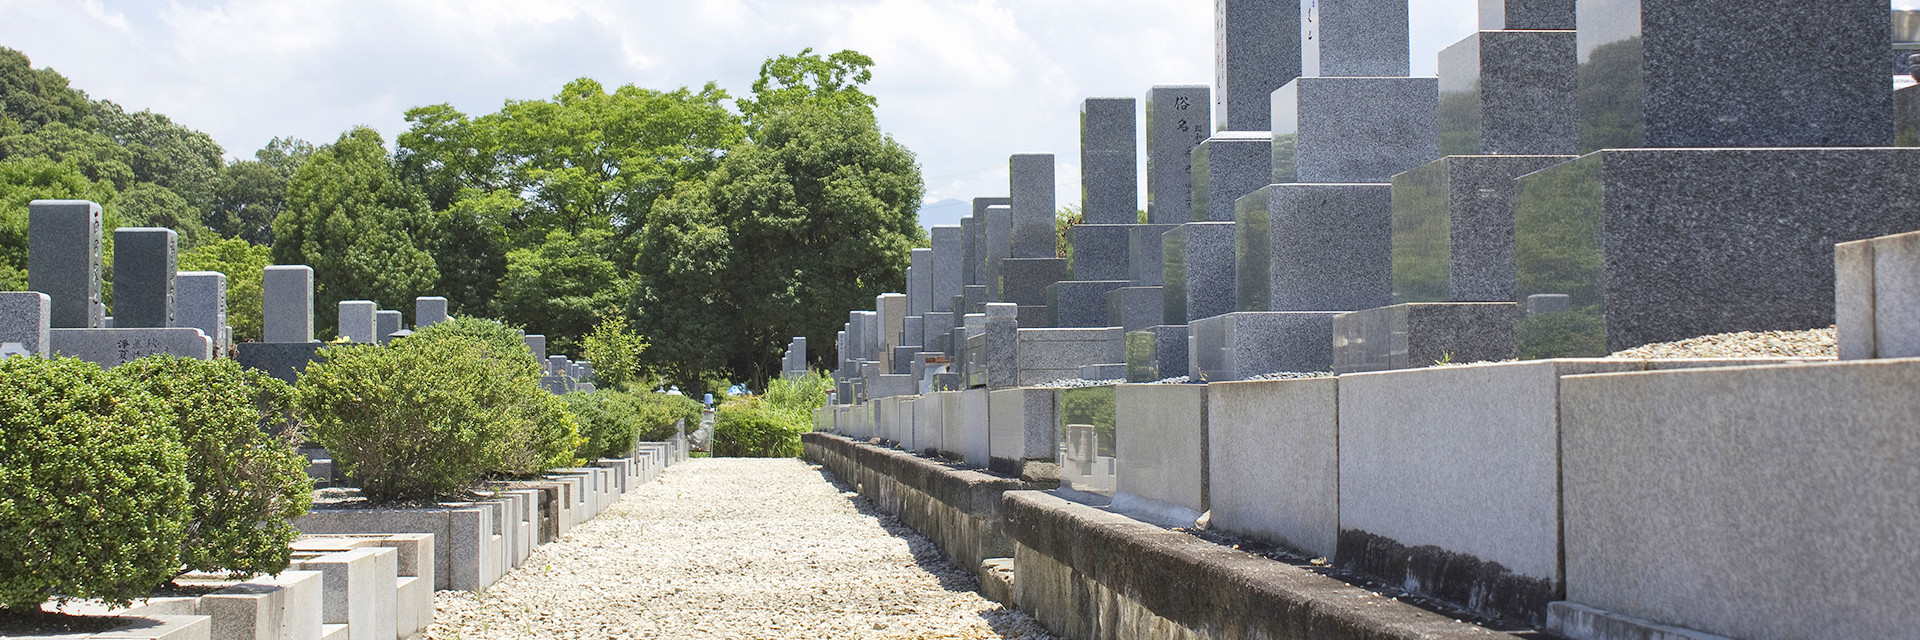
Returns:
point(1689, 242)
point(1226, 166)
point(1199, 275)
point(1157, 353)
point(1146, 260)
point(1410, 336)
point(1314, 247)
point(1237, 346)
point(1453, 228)
point(1079, 303)
point(1100, 251)
point(1024, 281)
point(1509, 93)
point(1333, 130)
point(1134, 308)
point(1046, 355)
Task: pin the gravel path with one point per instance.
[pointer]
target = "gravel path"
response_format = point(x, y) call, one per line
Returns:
point(734, 548)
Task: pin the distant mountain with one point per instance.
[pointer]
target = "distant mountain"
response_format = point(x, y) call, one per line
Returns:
point(946, 212)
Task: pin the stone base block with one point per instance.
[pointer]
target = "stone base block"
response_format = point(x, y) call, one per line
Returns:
point(886, 386)
point(1314, 247)
point(358, 589)
point(1226, 166)
point(1079, 303)
point(113, 347)
point(1024, 281)
point(1046, 355)
point(1146, 261)
point(1237, 346)
point(1100, 251)
point(1021, 429)
point(1199, 273)
point(1877, 293)
point(1116, 371)
point(1353, 130)
point(1410, 336)
point(283, 360)
point(1694, 242)
point(1453, 228)
point(1157, 353)
point(1134, 308)
point(973, 440)
point(1160, 435)
point(1274, 472)
point(25, 319)
point(463, 544)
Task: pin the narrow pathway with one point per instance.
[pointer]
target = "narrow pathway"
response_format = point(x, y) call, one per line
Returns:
point(734, 548)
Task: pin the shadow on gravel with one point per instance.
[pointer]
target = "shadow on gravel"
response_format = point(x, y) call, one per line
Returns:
point(1005, 620)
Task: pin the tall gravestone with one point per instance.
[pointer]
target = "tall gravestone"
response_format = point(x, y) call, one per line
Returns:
point(386, 322)
point(144, 268)
point(1177, 121)
point(63, 260)
point(948, 272)
point(920, 282)
point(201, 303)
point(1257, 49)
point(536, 343)
point(429, 311)
point(1033, 265)
point(287, 302)
point(1109, 165)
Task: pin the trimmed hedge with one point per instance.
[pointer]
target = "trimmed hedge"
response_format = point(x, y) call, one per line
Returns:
point(93, 485)
point(612, 420)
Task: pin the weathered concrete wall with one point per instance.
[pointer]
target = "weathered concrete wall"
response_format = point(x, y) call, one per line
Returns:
point(1088, 573)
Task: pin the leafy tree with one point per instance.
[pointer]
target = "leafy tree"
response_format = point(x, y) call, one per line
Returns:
point(813, 218)
point(244, 264)
point(249, 194)
point(163, 152)
point(93, 153)
point(615, 352)
point(564, 286)
point(365, 232)
point(473, 246)
point(788, 81)
point(151, 205)
point(34, 98)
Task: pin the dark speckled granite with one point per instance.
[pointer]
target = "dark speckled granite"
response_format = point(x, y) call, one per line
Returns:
point(1654, 245)
point(1237, 346)
point(1407, 336)
point(1256, 49)
point(1353, 129)
point(1509, 93)
point(1177, 120)
point(1526, 14)
point(1773, 73)
point(1453, 228)
point(1031, 183)
point(1314, 247)
point(1100, 251)
point(1147, 261)
point(1079, 303)
point(1354, 38)
point(1109, 164)
point(1199, 271)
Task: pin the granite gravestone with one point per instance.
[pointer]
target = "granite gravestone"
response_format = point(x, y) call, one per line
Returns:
point(1109, 165)
point(357, 322)
point(1031, 184)
point(1510, 93)
point(947, 274)
point(997, 230)
point(144, 267)
point(429, 311)
point(201, 303)
point(920, 283)
point(1226, 166)
point(63, 260)
point(386, 323)
point(1177, 121)
point(891, 310)
point(1256, 49)
point(25, 318)
point(537, 344)
point(287, 303)
point(1354, 39)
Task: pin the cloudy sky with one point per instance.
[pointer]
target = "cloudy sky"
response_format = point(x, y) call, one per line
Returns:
point(963, 83)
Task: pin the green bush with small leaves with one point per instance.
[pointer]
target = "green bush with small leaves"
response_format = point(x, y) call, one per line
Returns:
point(93, 485)
point(542, 434)
point(611, 420)
point(249, 482)
point(661, 414)
point(752, 428)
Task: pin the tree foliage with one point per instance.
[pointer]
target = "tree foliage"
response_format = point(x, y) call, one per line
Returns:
point(244, 265)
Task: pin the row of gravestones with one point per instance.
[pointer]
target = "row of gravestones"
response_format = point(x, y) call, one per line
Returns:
point(1383, 221)
point(160, 310)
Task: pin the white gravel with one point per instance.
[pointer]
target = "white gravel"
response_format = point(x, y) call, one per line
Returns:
point(1812, 343)
point(734, 548)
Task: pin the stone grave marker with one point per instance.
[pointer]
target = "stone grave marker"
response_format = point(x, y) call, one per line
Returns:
point(144, 268)
point(63, 260)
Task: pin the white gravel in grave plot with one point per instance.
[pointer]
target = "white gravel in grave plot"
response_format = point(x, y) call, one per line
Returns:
point(734, 548)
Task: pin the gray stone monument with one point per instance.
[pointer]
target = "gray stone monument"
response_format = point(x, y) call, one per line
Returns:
point(1199, 275)
point(1510, 93)
point(429, 311)
point(25, 318)
point(1031, 184)
point(201, 303)
point(63, 260)
point(1354, 38)
point(1256, 49)
point(287, 304)
point(1226, 166)
point(997, 231)
point(920, 282)
point(144, 268)
point(1109, 164)
point(947, 275)
point(387, 322)
point(1177, 121)
point(357, 322)
point(1453, 228)
point(536, 343)
point(891, 310)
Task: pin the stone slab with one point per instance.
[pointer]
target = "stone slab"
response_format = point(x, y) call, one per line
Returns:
point(1031, 184)
point(946, 274)
point(429, 311)
point(1109, 161)
point(357, 322)
point(1161, 452)
point(1024, 281)
point(1226, 166)
point(1079, 303)
point(1157, 353)
point(1410, 336)
point(1353, 130)
point(114, 347)
point(1273, 450)
point(1100, 251)
point(462, 550)
point(997, 230)
point(1199, 271)
point(1237, 346)
point(201, 303)
point(25, 320)
point(1510, 93)
point(1354, 38)
point(1453, 228)
point(1526, 14)
point(1314, 247)
point(358, 589)
point(284, 361)
point(974, 444)
point(1699, 498)
point(1146, 260)
point(1021, 428)
point(386, 323)
point(920, 282)
point(1695, 242)
point(1134, 308)
point(1046, 355)
point(1256, 49)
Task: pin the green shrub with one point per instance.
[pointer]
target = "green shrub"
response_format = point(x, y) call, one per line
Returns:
point(248, 485)
point(752, 428)
point(611, 420)
point(417, 420)
point(543, 435)
point(93, 485)
point(660, 414)
point(800, 394)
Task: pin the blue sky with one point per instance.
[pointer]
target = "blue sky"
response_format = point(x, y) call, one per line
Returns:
point(964, 83)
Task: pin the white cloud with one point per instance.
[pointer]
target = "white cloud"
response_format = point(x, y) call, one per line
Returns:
point(964, 83)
